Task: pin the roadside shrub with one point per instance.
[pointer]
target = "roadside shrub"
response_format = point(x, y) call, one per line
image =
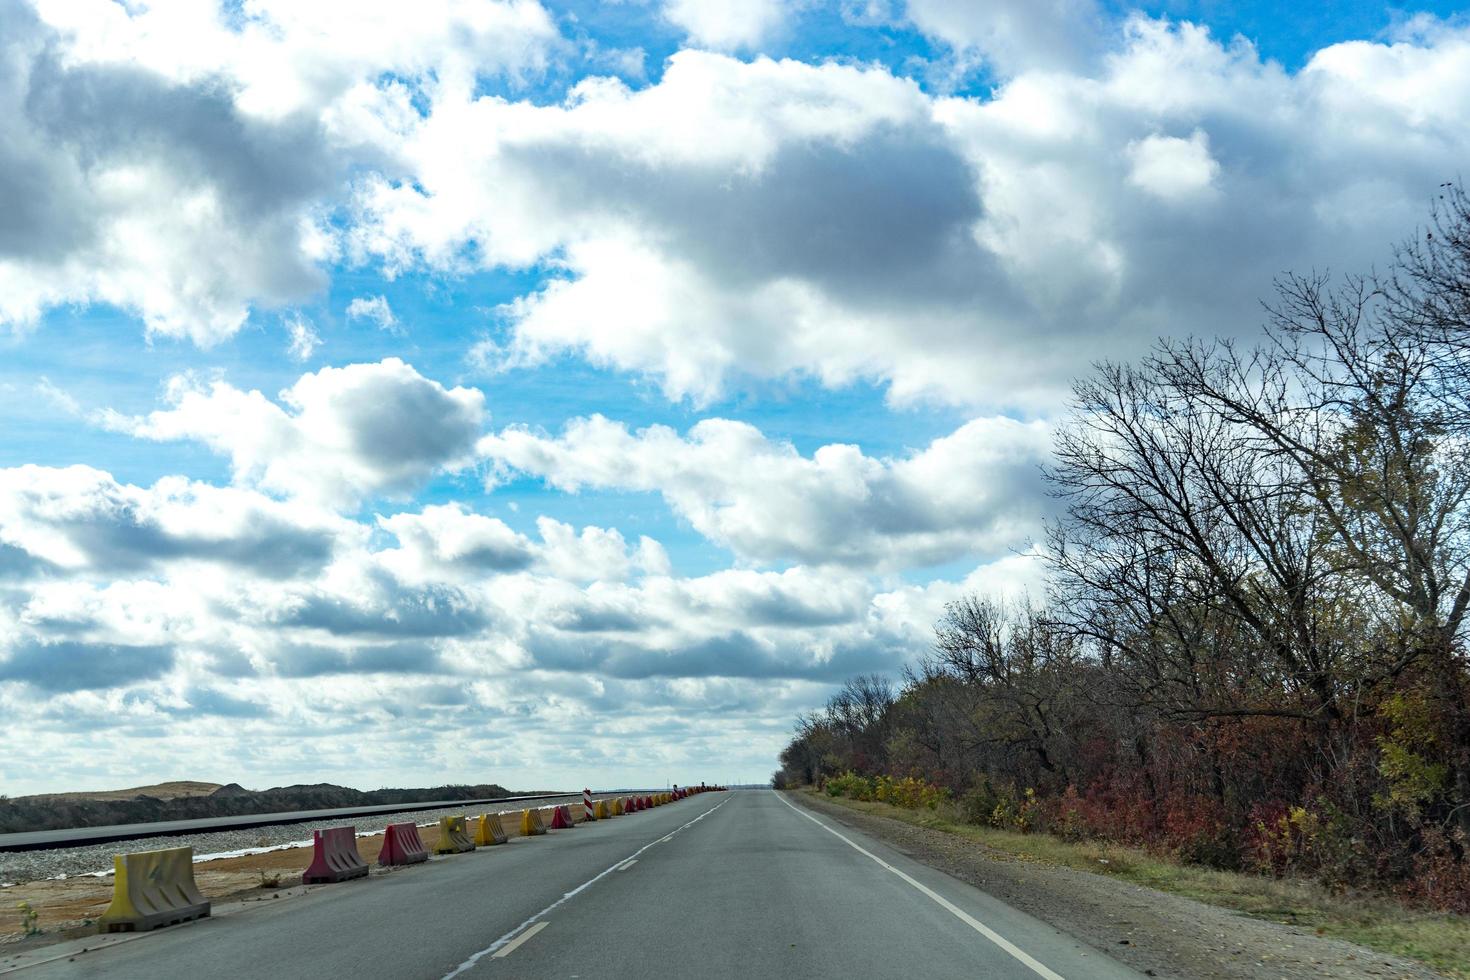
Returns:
point(1442, 872)
point(851, 785)
point(1196, 830)
point(1020, 813)
point(910, 792)
point(978, 803)
point(1314, 840)
point(1118, 810)
point(1067, 821)
point(28, 919)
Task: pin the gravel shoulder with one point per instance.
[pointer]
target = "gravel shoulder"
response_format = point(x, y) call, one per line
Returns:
point(1154, 932)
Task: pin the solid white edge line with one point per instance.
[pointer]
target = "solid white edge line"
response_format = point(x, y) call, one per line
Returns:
point(493, 947)
point(1040, 969)
point(515, 943)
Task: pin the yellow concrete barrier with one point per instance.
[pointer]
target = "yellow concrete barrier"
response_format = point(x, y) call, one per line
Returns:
point(617, 806)
point(488, 830)
point(454, 838)
point(152, 889)
point(531, 824)
point(599, 810)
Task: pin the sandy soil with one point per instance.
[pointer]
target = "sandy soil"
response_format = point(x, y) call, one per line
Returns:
point(67, 908)
point(1154, 932)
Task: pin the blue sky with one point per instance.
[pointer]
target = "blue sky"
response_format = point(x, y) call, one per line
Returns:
point(605, 380)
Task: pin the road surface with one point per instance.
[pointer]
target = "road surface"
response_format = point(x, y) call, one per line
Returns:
point(738, 884)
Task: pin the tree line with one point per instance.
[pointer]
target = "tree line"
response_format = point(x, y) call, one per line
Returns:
point(1251, 650)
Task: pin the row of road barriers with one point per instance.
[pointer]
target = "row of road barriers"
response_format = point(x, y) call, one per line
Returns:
point(157, 888)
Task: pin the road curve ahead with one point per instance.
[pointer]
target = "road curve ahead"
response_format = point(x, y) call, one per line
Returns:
point(741, 884)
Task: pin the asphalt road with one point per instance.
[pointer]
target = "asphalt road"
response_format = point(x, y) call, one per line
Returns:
point(738, 884)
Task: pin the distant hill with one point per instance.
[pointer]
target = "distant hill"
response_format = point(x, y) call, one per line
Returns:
point(158, 791)
point(194, 800)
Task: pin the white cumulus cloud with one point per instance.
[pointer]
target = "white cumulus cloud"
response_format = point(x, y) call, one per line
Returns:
point(374, 308)
point(972, 493)
point(727, 24)
point(179, 160)
point(1173, 168)
point(337, 436)
point(766, 219)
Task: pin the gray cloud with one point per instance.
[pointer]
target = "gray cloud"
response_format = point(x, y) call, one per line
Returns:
point(70, 128)
point(19, 564)
point(43, 211)
point(264, 173)
point(883, 219)
point(392, 658)
point(1015, 35)
point(735, 654)
point(511, 558)
point(212, 701)
point(120, 528)
point(433, 612)
point(382, 607)
point(124, 540)
point(598, 619)
point(197, 131)
point(72, 665)
point(778, 608)
point(345, 433)
point(201, 702)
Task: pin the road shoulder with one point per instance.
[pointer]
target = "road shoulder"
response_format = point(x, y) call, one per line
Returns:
point(1151, 931)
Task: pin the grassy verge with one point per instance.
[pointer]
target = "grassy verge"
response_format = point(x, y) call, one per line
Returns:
point(1438, 940)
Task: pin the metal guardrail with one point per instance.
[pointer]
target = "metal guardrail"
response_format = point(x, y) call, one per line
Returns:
point(42, 840)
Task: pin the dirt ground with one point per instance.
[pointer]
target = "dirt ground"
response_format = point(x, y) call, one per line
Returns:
point(66, 909)
point(1155, 933)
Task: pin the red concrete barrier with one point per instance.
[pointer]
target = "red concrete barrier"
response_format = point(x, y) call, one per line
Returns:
point(401, 845)
point(559, 819)
point(334, 857)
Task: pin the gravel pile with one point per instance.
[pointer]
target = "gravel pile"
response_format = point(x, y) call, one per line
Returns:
point(22, 866)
